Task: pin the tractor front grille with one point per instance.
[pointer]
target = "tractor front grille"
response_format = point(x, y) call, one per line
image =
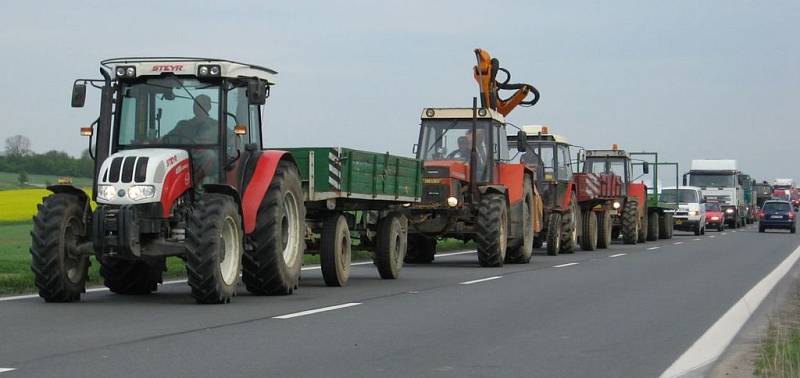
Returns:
point(435, 193)
point(127, 169)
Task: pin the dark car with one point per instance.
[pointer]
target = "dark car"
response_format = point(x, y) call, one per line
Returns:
point(777, 214)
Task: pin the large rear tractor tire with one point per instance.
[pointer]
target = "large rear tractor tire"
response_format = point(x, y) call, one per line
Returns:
point(604, 230)
point(421, 249)
point(335, 250)
point(132, 277)
point(589, 234)
point(630, 222)
point(522, 250)
point(643, 227)
point(214, 246)
point(58, 227)
point(492, 230)
point(392, 244)
point(653, 227)
point(569, 238)
point(554, 234)
point(663, 225)
point(273, 265)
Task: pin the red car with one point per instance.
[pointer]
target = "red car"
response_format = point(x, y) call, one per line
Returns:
point(715, 219)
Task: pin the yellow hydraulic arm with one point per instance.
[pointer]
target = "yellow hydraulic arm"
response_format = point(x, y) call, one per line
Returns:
point(485, 73)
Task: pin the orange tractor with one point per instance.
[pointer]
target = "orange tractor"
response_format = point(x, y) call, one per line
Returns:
point(470, 189)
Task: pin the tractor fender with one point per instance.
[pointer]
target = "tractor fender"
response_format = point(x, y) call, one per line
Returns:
point(258, 184)
point(570, 192)
point(78, 192)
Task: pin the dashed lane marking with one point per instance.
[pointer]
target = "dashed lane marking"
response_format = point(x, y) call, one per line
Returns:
point(565, 265)
point(480, 280)
point(618, 255)
point(653, 248)
point(678, 243)
point(316, 311)
point(3, 370)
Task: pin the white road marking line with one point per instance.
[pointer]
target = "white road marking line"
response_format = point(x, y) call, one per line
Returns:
point(3, 370)
point(453, 253)
point(653, 248)
point(724, 233)
point(316, 310)
point(480, 280)
point(93, 290)
point(696, 239)
point(712, 236)
point(716, 339)
point(618, 255)
point(733, 231)
point(564, 265)
point(678, 243)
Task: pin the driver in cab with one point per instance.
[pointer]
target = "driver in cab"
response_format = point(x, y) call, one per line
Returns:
point(200, 129)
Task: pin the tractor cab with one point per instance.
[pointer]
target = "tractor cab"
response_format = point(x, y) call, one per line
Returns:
point(447, 141)
point(171, 114)
point(549, 156)
point(613, 161)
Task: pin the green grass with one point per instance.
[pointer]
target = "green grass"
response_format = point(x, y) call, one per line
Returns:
point(780, 353)
point(8, 180)
point(15, 260)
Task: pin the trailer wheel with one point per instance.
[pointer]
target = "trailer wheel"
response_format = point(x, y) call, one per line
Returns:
point(662, 226)
point(630, 222)
point(554, 234)
point(335, 250)
point(538, 242)
point(570, 230)
point(653, 227)
point(391, 247)
point(420, 250)
point(132, 277)
point(643, 227)
point(522, 251)
point(272, 266)
point(214, 248)
point(589, 234)
point(492, 230)
point(668, 226)
point(58, 228)
point(604, 230)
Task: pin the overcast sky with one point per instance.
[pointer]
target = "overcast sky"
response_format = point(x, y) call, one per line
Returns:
point(690, 79)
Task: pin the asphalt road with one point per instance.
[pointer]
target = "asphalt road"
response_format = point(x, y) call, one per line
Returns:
point(628, 311)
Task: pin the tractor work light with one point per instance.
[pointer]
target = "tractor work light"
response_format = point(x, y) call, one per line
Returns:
point(140, 192)
point(616, 205)
point(452, 201)
point(125, 72)
point(209, 70)
point(105, 192)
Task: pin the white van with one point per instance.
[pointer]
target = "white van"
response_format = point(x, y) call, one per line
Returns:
point(691, 213)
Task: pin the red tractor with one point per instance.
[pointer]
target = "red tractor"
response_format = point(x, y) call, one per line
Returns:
point(577, 206)
point(179, 171)
point(631, 215)
point(470, 189)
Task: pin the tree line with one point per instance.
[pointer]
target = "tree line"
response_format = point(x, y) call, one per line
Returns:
point(21, 159)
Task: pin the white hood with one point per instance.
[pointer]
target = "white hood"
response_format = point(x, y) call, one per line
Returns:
point(140, 167)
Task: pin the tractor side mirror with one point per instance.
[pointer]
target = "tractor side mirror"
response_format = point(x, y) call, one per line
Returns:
point(256, 92)
point(78, 95)
point(522, 141)
point(414, 149)
point(645, 168)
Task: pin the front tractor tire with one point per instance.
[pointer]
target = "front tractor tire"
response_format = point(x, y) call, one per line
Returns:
point(569, 238)
point(132, 277)
point(392, 243)
point(589, 233)
point(492, 230)
point(630, 222)
point(58, 227)
point(272, 266)
point(214, 246)
point(554, 234)
point(604, 226)
point(522, 249)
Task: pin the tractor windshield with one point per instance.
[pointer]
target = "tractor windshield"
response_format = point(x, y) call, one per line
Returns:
point(451, 139)
point(606, 165)
point(169, 111)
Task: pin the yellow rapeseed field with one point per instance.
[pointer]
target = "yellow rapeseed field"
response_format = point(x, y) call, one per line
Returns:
point(20, 205)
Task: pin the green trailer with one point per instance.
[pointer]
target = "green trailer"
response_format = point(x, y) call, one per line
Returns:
point(658, 211)
point(356, 194)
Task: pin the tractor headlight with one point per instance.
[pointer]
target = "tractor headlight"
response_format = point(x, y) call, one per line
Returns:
point(140, 192)
point(105, 192)
point(452, 201)
point(729, 211)
point(616, 205)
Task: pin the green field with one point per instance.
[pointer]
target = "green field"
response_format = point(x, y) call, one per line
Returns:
point(8, 180)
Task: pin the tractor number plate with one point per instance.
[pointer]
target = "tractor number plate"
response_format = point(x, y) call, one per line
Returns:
point(679, 221)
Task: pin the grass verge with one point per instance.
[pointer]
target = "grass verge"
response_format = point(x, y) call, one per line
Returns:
point(779, 355)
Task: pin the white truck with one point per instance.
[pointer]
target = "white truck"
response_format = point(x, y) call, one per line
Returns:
point(719, 180)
